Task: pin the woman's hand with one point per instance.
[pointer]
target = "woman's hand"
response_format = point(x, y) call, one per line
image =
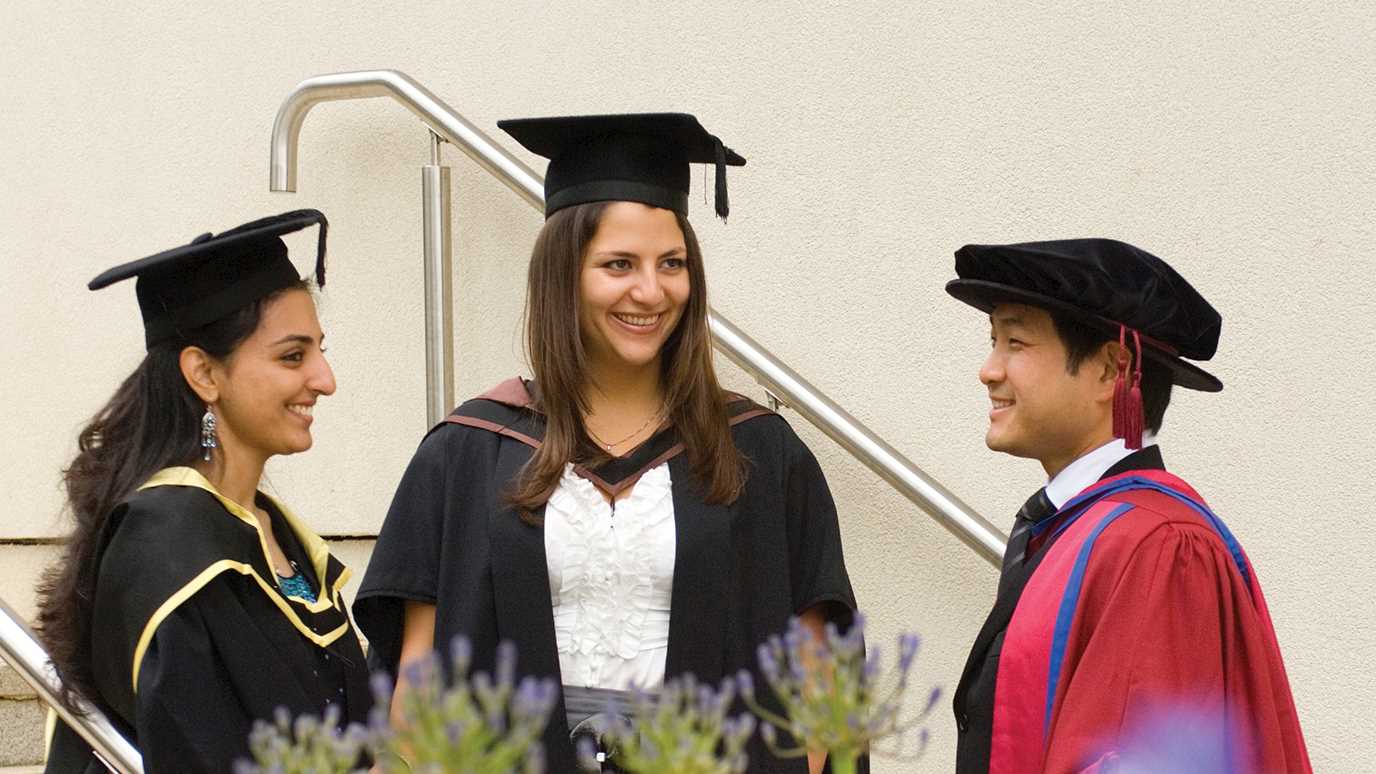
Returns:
point(417, 641)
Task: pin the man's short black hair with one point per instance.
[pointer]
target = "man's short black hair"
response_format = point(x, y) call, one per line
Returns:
point(1081, 342)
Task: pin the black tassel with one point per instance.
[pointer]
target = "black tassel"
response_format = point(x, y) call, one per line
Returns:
point(320, 253)
point(723, 204)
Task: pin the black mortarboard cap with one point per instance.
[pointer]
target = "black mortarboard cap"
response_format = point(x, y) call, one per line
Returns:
point(1104, 284)
point(636, 157)
point(196, 284)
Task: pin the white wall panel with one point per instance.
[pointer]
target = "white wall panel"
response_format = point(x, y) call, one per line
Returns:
point(1236, 142)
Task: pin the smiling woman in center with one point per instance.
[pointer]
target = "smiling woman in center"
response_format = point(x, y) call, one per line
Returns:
point(620, 517)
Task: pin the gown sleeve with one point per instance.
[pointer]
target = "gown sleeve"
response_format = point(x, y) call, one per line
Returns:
point(187, 716)
point(817, 566)
point(405, 563)
point(1177, 667)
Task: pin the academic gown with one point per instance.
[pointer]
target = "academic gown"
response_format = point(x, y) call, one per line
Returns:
point(192, 640)
point(740, 571)
point(1135, 634)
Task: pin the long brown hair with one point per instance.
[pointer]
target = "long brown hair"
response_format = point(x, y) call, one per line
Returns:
point(694, 401)
point(153, 421)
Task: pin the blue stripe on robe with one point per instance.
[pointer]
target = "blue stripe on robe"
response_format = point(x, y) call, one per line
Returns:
point(1066, 614)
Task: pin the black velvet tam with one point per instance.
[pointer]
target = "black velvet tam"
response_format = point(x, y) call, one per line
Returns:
point(1104, 284)
point(196, 284)
point(635, 157)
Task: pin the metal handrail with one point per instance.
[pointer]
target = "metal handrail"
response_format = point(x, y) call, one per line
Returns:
point(23, 651)
point(780, 380)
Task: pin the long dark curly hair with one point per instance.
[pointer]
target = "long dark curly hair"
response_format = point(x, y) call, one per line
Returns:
point(153, 421)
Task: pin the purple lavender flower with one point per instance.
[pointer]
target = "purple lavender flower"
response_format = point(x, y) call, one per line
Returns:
point(872, 664)
point(746, 684)
point(460, 655)
point(769, 665)
point(587, 754)
point(307, 744)
point(932, 699)
point(381, 685)
point(1176, 740)
point(833, 696)
point(423, 673)
point(534, 697)
point(907, 652)
point(686, 729)
point(506, 663)
point(472, 723)
point(853, 642)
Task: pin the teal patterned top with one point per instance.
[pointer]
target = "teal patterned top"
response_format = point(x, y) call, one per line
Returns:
point(296, 586)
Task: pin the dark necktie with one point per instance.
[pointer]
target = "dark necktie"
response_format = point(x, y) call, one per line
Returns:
point(1037, 508)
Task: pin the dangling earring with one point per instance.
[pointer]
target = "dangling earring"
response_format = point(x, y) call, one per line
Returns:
point(208, 440)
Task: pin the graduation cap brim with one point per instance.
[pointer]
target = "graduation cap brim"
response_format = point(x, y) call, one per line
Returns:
point(985, 295)
point(190, 286)
point(639, 157)
point(551, 136)
point(256, 231)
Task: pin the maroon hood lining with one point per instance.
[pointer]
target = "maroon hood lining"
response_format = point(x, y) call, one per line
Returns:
point(515, 394)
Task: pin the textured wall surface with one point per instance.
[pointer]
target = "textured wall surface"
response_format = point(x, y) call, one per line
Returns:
point(1236, 142)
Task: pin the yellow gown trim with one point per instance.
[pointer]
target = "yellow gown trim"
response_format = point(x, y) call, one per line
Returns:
point(315, 546)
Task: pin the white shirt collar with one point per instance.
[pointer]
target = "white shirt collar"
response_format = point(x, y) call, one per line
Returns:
point(1089, 468)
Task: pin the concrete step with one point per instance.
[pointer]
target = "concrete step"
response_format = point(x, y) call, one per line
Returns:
point(22, 717)
point(21, 714)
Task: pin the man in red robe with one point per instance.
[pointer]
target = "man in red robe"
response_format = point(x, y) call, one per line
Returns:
point(1129, 633)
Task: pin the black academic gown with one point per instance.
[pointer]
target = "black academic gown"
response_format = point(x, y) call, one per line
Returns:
point(740, 570)
point(191, 639)
point(974, 697)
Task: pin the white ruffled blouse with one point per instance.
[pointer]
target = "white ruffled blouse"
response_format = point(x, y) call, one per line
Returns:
point(611, 579)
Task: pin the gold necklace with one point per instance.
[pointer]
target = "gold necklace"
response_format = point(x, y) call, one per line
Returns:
point(638, 431)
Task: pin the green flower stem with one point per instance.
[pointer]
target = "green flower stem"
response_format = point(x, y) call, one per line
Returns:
point(842, 762)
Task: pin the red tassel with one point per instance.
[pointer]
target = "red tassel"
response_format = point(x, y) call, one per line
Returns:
point(1133, 437)
point(1120, 388)
point(1134, 424)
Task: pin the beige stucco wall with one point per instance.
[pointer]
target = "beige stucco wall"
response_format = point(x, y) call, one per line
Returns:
point(1233, 141)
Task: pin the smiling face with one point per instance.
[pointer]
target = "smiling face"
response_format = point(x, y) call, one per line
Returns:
point(633, 286)
point(269, 385)
point(1039, 409)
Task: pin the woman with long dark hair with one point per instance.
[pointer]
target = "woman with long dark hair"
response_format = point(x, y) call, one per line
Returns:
point(187, 603)
point(621, 518)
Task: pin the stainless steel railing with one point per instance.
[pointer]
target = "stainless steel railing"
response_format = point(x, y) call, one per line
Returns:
point(26, 655)
point(780, 380)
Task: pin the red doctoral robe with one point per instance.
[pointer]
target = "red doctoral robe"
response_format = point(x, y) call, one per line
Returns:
point(1142, 642)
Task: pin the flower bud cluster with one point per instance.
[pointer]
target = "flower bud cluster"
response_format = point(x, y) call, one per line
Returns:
point(486, 724)
point(308, 745)
point(833, 695)
point(483, 724)
point(684, 730)
point(827, 696)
